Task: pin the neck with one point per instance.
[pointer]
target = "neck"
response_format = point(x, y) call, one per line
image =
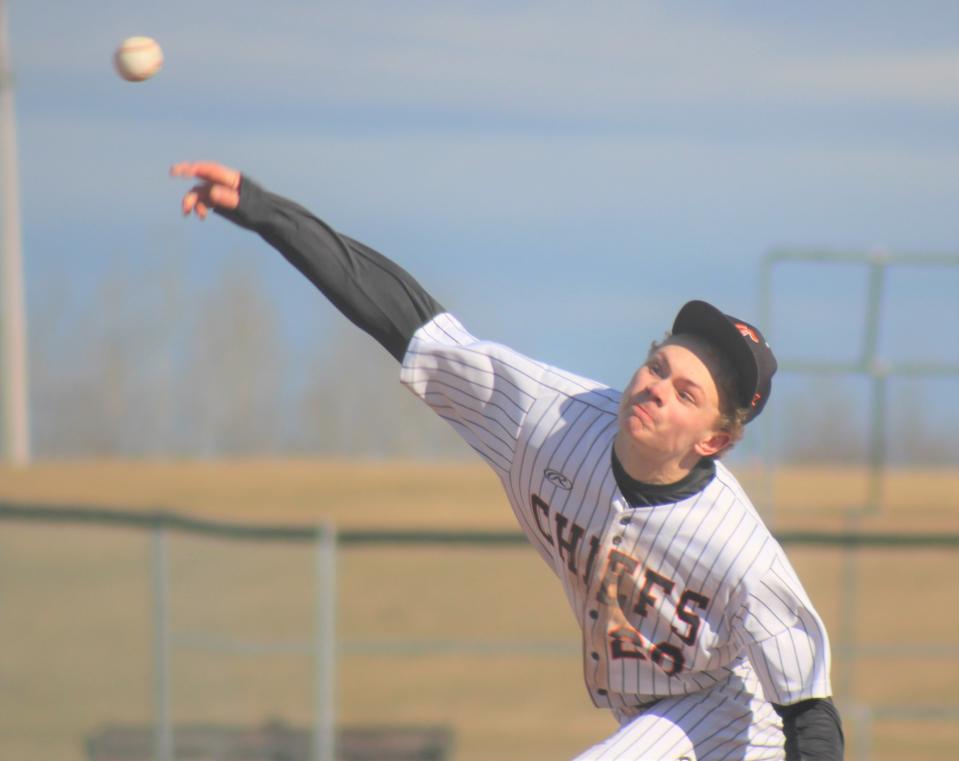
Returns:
point(652, 467)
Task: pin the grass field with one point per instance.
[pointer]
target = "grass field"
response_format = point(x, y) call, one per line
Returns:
point(75, 618)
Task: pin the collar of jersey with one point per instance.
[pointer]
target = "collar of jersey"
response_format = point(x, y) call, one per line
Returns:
point(640, 494)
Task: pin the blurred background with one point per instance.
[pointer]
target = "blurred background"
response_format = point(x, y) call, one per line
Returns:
point(561, 176)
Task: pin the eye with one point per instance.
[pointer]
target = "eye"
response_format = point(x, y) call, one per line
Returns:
point(655, 368)
point(686, 396)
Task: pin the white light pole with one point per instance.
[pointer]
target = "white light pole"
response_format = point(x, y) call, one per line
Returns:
point(13, 335)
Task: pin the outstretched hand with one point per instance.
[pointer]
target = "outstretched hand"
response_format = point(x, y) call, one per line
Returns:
point(219, 187)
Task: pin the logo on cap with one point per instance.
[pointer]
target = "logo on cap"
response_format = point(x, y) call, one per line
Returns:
point(748, 331)
point(755, 401)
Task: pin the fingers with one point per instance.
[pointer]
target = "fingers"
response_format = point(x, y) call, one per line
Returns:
point(224, 195)
point(189, 201)
point(220, 187)
point(197, 200)
point(209, 171)
point(204, 196)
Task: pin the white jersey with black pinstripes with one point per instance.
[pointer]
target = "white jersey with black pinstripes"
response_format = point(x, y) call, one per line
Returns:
point(671, 599)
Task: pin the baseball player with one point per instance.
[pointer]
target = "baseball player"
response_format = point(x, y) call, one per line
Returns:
point(696, 633)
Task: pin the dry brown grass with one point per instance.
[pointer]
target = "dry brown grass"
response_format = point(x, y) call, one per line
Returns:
point(75, 605)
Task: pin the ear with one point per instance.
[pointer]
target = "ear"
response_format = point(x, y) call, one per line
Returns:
point(713, 444)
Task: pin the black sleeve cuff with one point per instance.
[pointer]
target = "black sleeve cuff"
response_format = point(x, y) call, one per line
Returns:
point(251, 212)
point(813, 730)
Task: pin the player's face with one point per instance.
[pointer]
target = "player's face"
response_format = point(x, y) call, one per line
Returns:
point(670, 410)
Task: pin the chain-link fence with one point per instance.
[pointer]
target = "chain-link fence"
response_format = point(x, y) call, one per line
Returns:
point(127, 620)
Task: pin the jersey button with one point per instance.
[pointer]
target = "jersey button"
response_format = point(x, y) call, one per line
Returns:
point(595, 656)
point(602, 692)
point(594, 614)
point(625, 520)
point(617, 539)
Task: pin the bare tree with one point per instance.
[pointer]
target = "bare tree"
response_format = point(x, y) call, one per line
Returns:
point(829, 422)
point(232, 382)
point(354, 405)
point(97, 389)
point(917, 436)
point(822, 424)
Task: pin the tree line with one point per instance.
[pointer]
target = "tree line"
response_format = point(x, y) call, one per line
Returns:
point(159, 371)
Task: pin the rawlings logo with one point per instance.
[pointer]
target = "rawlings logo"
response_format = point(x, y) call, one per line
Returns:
point(558, 479)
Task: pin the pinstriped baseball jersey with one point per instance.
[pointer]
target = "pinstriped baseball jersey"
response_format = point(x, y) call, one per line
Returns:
point(671, 599)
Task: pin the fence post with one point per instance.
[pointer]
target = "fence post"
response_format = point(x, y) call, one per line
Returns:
point(324, 658)
point(162, 730)
point(877, 372)
point(862, 731)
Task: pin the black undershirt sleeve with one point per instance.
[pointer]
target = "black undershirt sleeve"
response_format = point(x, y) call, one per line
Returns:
point(374, 293)
point(813, 730)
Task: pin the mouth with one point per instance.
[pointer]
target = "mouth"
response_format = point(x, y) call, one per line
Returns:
point(643, 414)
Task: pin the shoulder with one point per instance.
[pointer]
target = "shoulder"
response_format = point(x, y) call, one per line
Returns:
point(725, 480)
point(445, 344)
point(747, 542)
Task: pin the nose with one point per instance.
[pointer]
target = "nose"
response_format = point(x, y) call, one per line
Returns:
point(655, 390)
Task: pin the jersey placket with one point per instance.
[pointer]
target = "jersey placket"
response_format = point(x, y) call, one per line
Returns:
point(617, 533)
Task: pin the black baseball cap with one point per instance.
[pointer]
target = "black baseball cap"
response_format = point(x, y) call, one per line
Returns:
point(741, 343)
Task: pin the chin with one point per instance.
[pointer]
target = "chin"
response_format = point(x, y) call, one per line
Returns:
point(635, 430)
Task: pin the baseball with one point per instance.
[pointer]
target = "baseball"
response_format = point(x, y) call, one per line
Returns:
point(138, 58)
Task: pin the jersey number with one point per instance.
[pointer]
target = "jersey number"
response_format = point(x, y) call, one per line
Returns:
point(629, 643)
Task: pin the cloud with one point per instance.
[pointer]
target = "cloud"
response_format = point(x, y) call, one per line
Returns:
point(561, 61)
point(924, 78)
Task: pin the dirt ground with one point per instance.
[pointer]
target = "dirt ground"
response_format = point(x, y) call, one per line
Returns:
point(76, 617)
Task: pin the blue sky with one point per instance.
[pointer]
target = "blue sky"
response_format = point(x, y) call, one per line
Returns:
point(562, 175)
